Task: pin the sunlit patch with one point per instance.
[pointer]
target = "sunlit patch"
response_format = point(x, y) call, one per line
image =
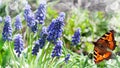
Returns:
point(111, 63)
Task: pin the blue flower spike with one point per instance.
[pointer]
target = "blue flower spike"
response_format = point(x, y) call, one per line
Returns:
point(39, 44)
point(67, 58)
point(18, 23)
point(18, 44)
point(7, 29)
point(40, 14)
point(57, 51)
point(76, 37)
point(30, 18)
point(55, 29)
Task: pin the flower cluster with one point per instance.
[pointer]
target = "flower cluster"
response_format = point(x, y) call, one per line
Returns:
point(55, 29)
point(67, 58)
point(51, 34)
point(39, 44)
point(7, 30)
point(27, 12)
point(57, 51)
point(18, 44)
point(30, 18)
point(76, 37)
point(35, 50)
point(18, 23)
point(41, 13)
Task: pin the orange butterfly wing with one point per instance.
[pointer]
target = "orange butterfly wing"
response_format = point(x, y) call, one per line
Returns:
point(109, 37)
point(101, 53)
point(100, 49)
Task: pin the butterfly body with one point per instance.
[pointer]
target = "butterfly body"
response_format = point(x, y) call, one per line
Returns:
point(103, 46)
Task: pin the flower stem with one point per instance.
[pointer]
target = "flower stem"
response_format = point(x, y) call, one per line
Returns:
point(44, 53)
point(9, 45)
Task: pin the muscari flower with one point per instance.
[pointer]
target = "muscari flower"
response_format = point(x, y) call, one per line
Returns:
point(0, 19)
point(18, 44)
point(67, 58)
point(7, 29)
point(35, 49)
point(39, 44)
point(55, 29)
point(57, 51)
point(44, 32)
point(30, 18)
point(41, 13)
point(27, 11)
point(76, 37)
point(34, 28)
point(18, 23)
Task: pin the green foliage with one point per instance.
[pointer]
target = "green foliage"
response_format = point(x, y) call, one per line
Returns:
point(2, 10)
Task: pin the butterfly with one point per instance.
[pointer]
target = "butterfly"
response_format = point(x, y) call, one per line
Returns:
point(103, 46)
